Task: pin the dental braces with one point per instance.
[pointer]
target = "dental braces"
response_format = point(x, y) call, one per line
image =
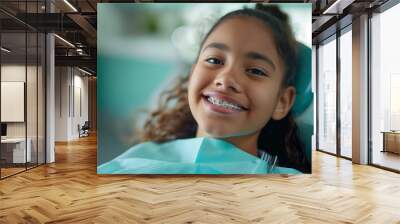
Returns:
point(223, 103)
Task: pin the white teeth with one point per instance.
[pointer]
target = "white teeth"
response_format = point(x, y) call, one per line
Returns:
point(222, 103)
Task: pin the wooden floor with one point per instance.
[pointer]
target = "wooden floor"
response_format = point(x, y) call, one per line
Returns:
point(10, 171)
point(70, 191)
point(387, 159)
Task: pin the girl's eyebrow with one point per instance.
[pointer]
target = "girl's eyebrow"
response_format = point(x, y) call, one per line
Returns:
point(251, 55)
point(258, 56)
point(221, 46)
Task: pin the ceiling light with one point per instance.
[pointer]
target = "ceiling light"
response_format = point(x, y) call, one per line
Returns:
point(64, 40)
point(5, 49)
point(337, 7)
point(70, 5)
point(84, 71)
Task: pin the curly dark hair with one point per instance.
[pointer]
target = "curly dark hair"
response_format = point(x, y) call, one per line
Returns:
point(173, 118)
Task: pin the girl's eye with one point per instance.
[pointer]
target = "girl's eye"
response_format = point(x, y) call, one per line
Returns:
point(256, 71)
point(214, 61)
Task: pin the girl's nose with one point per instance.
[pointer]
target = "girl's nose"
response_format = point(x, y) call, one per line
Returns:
point(228, 81)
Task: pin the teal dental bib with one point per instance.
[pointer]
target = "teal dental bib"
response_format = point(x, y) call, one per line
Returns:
point(201, 155)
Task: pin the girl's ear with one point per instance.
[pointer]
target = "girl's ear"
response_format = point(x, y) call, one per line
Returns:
point(285, 103)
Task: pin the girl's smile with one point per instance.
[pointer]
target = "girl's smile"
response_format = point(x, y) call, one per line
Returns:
point(221, 103)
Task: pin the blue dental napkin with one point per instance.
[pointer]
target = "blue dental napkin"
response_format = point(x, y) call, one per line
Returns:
point(202, 155)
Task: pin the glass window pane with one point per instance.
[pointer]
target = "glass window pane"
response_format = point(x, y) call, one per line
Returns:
point(14, 153)
point(346, 94)
point(314, 78)
point(31, 100)
point(23, 88)
point(385, 89)
point(327, 97)
point(41, 98)
point(31, 87)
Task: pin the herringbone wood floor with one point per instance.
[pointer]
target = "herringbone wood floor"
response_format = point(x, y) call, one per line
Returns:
point(70, 191)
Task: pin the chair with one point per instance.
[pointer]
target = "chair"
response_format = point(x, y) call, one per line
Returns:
point(303, 108)
point(84, 130)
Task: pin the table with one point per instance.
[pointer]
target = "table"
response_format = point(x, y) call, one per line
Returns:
point(391, 141)
point(17, 150)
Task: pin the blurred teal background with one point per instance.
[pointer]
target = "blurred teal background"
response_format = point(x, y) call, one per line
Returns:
point(142, 47)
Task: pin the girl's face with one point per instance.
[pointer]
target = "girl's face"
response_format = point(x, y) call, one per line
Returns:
point(235, 86)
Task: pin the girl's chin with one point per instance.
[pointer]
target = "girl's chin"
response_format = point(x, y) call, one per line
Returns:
point(223, 133)
point(215, 133)
point(220, 135)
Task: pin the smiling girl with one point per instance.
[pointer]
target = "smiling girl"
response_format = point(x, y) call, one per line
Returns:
point(236, 100)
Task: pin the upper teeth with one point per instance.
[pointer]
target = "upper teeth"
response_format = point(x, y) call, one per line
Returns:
point(219, 102)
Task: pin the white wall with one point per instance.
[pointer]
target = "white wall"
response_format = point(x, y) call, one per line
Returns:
point(62, 81)
point(15, 72)
point(84, 85)
point(70, 83)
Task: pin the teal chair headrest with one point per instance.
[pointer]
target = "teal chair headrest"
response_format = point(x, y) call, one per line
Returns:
point(303, 108)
